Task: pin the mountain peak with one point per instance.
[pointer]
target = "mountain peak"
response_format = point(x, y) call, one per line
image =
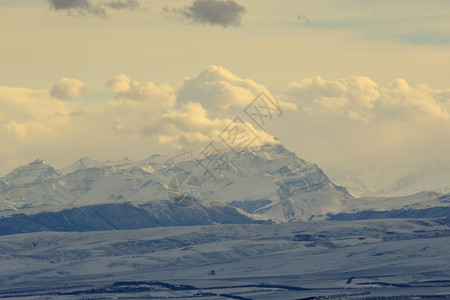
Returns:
point(82, 163)
point(39, 162)
point(87, 162)
point(125, 160)
point(36, 170)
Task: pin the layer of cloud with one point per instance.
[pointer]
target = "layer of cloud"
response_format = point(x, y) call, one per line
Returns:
point(341, 121)
point(212, 12)
point(68, 88)
point(360, 98)
point(87, 7)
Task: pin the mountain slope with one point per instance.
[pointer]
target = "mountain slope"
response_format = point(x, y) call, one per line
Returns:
point(124, 216)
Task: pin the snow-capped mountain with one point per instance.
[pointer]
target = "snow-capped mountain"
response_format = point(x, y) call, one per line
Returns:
point(387, 179)
point(82, 163)
point(269, 181)
point(37, 171)
point(432, 177)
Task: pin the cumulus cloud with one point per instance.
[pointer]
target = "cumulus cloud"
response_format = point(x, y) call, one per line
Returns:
point(198, 111)
point(212, 12)
point(87, 7)
point(192, 124)
point(68, 88)
point(30, 113)
point(206, 106)
point(118, 83)
point(217, 88)
point(187, 124)
point(125, 88)
point(359, 98)
point(419, 103)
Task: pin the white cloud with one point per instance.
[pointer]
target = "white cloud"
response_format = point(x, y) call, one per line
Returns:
point(418, 103)
point(68, 88)
point(31, 111)
point(29, 119)
point(17, 129)
point(359, 98)
point(217, 88)
point(191, 124)
point(207, 104)
point(125, 88)
point(202, 108)
point(119, 83)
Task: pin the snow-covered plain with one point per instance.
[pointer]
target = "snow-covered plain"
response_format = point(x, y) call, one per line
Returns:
point(352, 259)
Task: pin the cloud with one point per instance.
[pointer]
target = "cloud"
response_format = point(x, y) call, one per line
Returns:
point(361, 99)
point(17, 129)
point(118, 83)
point(86, 7)
point(30, 114)
point(78, 7)
point(128, 89)
point(123, 4)
point(191, 124)
point(212, 12)
point(68, 88)
point(217, 88)
point(205, 106)
point(302, 19)
point(420, 103)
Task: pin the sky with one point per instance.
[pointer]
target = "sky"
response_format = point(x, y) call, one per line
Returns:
point(358, 82)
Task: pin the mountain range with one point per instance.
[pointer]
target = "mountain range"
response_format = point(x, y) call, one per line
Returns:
point(269, 182)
